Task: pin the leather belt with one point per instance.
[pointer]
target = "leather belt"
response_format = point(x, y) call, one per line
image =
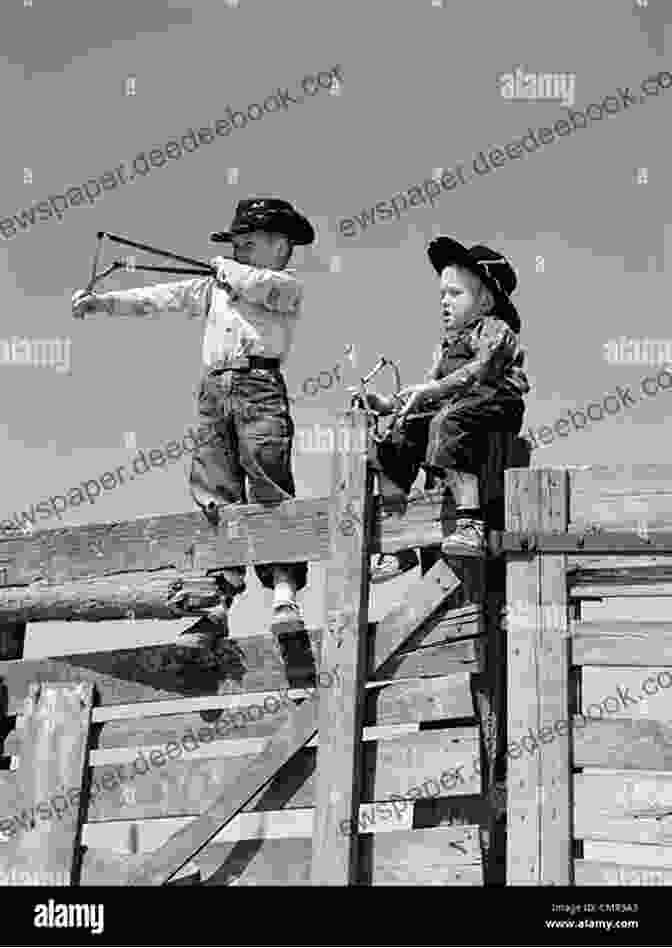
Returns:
point(244, 364)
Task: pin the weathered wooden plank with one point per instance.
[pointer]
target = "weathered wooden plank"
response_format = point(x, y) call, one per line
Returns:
point(430, 699)
point(162, 671)
point(422, 600)
point(450, 876)
point(630, 808)
point(292, 531)
point(396, 702)
point(538, 797)
point(600, 590)
point(136, 594)
point(524, 777)
point(619, 565)
point(56, 733)
point(209, 703)
point(159, 672)
point(622, 744)
point(626, 693)
point(185, 786)
point(396, 766)
point(587, 872)
point(280, 861)
point(149, 836)
point(556, 851)
point(629, 853)
point(406, 761)
point(426, 857)
point(296, 731)
point(455, 658)
point(464, 622)
point(523, 500)
point(617, 498)
point(207, 747)
point(622, 642)
point(422, 700)
point(420, 525)
point(616, 576)
point(8, 796)
point(393, 767)
point(276, 862)
point(344, 646)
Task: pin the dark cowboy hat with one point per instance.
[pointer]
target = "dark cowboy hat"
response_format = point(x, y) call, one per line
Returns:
point(491, 267)
point(269, 214)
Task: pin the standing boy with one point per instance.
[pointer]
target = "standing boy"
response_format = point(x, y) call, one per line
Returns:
point(250, 312)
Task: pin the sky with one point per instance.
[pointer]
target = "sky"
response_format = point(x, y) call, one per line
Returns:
point(584, 227)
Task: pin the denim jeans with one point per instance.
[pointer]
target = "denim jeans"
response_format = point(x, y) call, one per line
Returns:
point(455, 438)
point(248, 457)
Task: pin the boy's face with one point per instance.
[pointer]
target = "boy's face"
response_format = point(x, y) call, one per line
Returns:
point(261, 249)
point(461, 296)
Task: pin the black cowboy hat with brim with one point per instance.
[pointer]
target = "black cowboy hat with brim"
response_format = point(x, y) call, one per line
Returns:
point(491, 267)
point(271, 215)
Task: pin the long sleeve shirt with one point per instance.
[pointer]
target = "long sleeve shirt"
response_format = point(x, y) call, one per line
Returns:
point(254, 315)
point(484, 356)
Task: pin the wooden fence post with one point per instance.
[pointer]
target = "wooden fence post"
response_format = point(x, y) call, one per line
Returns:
point(539, 777)
point(50, 783)
point(344, 658)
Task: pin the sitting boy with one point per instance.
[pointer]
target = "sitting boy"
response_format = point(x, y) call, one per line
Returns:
point(250, 311)
point(476, 385)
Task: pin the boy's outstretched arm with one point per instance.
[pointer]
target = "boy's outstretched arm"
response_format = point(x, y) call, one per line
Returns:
point(185, 296)
point(277, 290)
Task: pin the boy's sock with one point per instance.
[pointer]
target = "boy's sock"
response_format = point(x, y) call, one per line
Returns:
point(471, 513)
point(464, 486)
point(284, 594)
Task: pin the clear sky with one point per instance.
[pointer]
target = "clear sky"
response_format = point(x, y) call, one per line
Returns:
point(420, 92)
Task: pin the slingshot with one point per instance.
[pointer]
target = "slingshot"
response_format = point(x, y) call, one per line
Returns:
point(375, 416)
point(394, 499)
point(198, 267)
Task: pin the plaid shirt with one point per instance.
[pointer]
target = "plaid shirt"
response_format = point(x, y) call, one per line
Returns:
point(482, 356)
point(255, 315)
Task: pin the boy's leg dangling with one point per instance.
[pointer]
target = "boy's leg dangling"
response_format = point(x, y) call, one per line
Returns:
point(468, 537)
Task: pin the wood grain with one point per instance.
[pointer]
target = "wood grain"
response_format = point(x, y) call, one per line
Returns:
point(623, 744)
point(56, 728)
point(630, 808)
point(619, 642)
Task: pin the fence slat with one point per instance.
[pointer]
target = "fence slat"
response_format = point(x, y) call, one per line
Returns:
point(341, 713)
point(55, 738)
point(539, 847)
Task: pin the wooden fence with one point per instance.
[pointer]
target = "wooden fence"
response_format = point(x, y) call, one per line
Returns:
point(590, 804)
point(373, 735)
point(412, 700)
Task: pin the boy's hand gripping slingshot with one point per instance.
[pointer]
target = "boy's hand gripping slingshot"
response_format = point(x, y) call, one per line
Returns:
point(198, 267)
